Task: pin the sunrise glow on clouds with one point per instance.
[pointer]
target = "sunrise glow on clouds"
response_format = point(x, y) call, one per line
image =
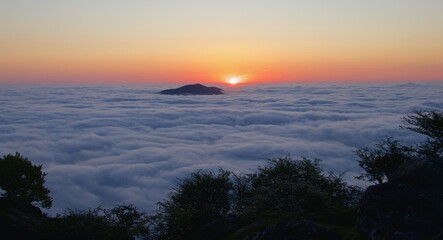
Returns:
point(204, 41)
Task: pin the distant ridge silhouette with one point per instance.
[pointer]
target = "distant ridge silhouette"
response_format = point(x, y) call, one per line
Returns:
point(193, 89)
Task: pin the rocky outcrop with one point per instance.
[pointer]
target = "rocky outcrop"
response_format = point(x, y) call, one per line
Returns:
point(193, 89)
point(409, 206)
point(292, 230)
point(20, 221)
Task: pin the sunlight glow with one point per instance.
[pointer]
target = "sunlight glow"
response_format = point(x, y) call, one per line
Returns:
point(236, 78)
point(233, 80)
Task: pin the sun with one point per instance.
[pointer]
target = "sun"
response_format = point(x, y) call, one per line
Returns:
point(234, 80)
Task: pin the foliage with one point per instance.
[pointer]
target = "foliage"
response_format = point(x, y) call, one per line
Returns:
point(198, 200)
point(287, 185)
point(76, 224)
point(127, 219)
point(121, 222)
point(22, 181)
point(381, 162)
point(430, 124)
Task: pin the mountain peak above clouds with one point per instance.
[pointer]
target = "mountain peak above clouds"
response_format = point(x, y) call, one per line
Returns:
point(193, 89)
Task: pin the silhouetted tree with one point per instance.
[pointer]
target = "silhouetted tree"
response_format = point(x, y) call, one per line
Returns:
point(129, 221)
point(197, 202)
point(22, 181)
point(382, 161)
point(298, 186)
point(430, 124)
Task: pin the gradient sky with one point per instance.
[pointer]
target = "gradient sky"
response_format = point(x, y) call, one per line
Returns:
point(264, 41)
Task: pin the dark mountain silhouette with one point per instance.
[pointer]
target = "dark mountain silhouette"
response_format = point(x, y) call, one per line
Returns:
point(193, 89)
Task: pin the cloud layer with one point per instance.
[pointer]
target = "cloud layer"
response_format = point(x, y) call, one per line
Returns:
point(107, 145)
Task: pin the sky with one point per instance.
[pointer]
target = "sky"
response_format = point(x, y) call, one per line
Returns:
point(113, 144)
point(261, 41)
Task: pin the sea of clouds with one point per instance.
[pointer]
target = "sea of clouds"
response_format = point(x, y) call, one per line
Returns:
point(107, 145)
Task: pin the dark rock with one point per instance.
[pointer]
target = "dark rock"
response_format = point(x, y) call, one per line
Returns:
point(410, 206)
point(438, 237)
point(20, 221)
point(295, 230)
point(383, 233)
point(193, 89)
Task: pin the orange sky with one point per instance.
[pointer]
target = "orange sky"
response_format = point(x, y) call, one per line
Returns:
point(264, 41)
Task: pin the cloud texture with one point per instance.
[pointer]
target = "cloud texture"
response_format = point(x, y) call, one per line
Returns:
point(107, 145)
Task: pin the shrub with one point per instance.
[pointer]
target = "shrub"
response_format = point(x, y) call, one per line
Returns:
point(198, 201)
point(122, 222)
point(297, 186)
